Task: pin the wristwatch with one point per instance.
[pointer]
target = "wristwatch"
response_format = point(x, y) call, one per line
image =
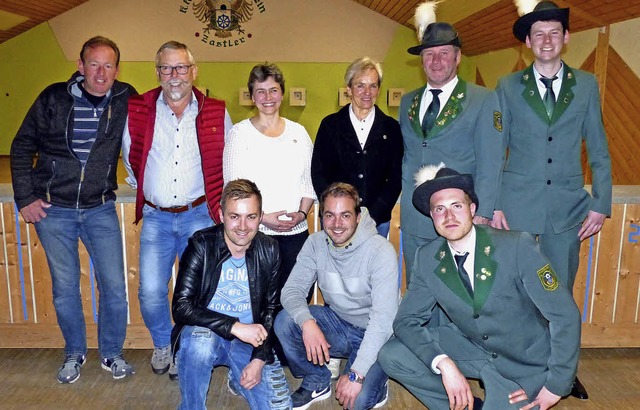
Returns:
point(355, 377)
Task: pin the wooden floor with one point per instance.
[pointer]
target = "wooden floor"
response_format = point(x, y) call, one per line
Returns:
point(27, 381)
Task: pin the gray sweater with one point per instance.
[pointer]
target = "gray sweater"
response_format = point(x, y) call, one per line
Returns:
point(359, 281)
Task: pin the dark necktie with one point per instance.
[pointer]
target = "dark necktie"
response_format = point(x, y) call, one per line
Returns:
point(432, 112)
point(463, 272)
point(549, 99)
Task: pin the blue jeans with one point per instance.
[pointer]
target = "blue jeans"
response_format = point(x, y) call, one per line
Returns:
point(164, 236)
point(383, 229)
point(345, 340)
point(99, 230)
point(201, 350)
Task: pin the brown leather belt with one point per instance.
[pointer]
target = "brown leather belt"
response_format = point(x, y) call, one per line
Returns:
point(178, 209)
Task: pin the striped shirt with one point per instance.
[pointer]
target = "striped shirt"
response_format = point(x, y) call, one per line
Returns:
point(85, 124)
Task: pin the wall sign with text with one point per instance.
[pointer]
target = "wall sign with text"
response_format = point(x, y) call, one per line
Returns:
point(224, 20)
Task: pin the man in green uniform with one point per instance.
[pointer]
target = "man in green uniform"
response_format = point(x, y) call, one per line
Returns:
point(451, 121)
point(548, 110)
point(514, 325)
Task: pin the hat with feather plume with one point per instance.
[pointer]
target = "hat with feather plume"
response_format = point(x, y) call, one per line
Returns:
point(433, 178)
point(531, 11)
point(432, 33)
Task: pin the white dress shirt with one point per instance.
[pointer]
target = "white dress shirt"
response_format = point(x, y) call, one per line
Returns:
point(362, 128)
point(468, 247)
point(556, 85)
point(173, 172)
point(427, 96)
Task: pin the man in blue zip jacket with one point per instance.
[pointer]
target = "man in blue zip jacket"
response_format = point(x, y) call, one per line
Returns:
point(74, 129)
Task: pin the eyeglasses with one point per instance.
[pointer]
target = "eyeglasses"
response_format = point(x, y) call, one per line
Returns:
point(180, 69)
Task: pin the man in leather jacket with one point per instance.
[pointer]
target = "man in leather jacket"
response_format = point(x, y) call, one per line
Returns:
point(223, 305)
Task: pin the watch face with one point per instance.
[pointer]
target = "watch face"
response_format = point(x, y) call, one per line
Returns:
point(353, 377)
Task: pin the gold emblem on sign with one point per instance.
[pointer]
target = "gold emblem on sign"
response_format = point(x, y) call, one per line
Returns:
point(224, 21)
point(223, 17)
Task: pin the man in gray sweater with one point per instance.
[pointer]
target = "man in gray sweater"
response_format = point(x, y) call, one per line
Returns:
point(356, 269)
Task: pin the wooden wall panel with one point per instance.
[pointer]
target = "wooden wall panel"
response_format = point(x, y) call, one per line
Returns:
point(607, 288)
point(131, 235)
point(17, 241)
point(628, 284)
point(601, 267)
point(6, 302)
point(45, 312)
point(620, 109)
point(395, 236)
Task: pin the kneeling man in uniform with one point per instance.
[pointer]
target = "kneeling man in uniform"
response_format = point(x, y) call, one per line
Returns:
point(514, 326)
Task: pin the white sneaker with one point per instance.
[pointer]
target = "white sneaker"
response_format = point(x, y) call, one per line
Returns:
point(231, 389)
point(385, 398)
point(334, 366)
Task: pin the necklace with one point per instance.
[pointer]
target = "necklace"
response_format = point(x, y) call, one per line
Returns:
point(244, 261)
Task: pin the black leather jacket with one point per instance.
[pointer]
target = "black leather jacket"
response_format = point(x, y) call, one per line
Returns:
point(198, 276)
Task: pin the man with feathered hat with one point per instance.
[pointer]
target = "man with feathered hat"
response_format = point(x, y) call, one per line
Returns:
point(514, 325)
point(447, 120)
point(548, 110)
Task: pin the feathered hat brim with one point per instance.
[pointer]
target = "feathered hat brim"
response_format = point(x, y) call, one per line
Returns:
point(445, 178)
point(544, 11)
point(437, 34)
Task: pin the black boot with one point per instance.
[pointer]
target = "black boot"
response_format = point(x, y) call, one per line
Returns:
point(578, 391)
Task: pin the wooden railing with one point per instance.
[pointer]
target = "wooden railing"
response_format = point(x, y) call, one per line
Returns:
point(607, 289)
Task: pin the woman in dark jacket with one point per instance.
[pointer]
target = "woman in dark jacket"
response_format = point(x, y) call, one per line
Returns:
point(361, 145)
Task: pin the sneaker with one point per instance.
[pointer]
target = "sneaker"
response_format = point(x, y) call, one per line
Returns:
point(70, 370)
point(161, 359)
point(384, 399)
point(303, 398)
point(118, 367)
point(334, 367)
point(173, 370)
point(231, 389)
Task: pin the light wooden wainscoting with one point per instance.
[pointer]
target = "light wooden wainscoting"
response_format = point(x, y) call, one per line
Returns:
point(607, 289)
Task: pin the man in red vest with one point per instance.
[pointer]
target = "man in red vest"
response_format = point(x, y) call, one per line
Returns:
point(172, 150)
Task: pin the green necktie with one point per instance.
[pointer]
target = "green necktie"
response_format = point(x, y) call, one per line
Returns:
point(432, 112)
point(549, 99)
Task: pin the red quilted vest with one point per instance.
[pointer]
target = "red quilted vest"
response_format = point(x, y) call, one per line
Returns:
point(210, 128)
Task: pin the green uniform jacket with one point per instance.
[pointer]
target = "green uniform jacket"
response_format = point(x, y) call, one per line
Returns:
point(542, 177)
point(465, 137)
point(521, 317)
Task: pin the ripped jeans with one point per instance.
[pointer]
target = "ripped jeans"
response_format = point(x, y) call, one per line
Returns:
point(201, 350)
